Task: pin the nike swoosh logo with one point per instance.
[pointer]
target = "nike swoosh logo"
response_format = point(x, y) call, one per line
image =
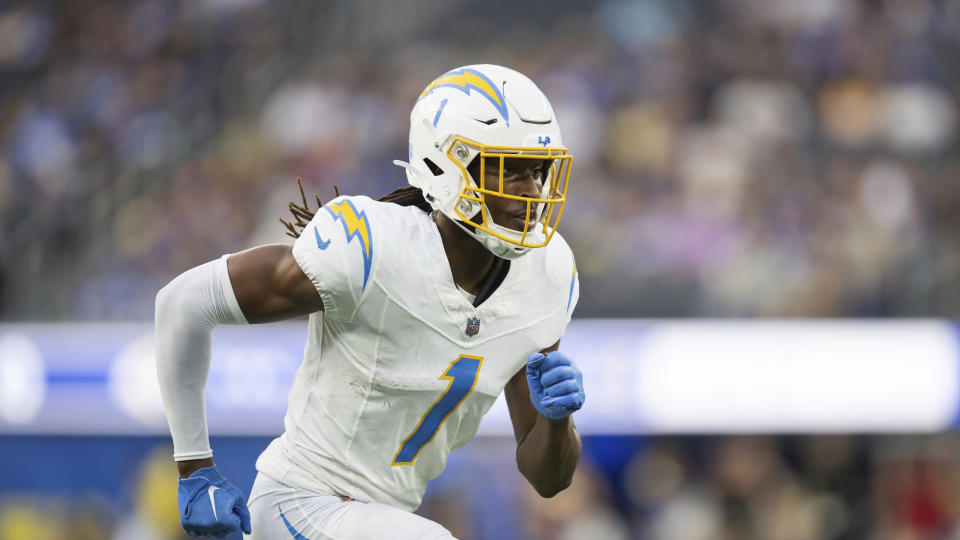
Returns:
point(320, 243)
point(213, 502)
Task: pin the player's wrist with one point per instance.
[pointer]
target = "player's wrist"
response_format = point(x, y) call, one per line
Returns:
point(557, 425)
point(552, 414)
point(190, 466)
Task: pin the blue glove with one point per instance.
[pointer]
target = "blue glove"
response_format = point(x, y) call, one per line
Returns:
point(211, 505)
point(556, 385)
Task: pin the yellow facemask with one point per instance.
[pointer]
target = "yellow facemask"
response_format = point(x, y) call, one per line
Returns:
point(547, 208)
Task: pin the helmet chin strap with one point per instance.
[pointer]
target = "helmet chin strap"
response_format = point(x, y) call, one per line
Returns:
point(504, 250)
point(498, 247)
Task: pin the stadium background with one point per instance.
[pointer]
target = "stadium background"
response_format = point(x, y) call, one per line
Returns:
point(738, 159)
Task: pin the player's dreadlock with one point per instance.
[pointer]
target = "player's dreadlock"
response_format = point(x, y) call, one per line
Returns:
point(302, 213)
point(404, 196)
point(408, 196)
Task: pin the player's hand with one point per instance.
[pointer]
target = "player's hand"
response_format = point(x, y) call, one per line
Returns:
point(556, 385)
point(211, 505)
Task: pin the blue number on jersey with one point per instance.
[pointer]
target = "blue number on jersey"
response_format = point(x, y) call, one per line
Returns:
point(462, 375)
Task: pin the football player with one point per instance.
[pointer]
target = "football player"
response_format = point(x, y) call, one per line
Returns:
point(424, 306)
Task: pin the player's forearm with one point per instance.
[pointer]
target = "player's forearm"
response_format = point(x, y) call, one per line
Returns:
point(186, 311)
point(183, 361)
point(549, 454)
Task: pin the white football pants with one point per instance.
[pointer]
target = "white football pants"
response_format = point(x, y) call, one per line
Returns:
point(281, 512)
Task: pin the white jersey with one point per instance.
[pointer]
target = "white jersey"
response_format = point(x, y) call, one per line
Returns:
point(400, 367)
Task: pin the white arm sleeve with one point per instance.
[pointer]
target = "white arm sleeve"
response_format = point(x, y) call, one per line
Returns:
point(187, 309)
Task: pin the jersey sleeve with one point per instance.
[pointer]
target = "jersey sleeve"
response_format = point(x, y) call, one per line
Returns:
point(561, 268)
point(336, 251)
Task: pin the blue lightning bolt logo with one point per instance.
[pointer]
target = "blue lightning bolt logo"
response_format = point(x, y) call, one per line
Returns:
point(355, 226)
point(470, 79)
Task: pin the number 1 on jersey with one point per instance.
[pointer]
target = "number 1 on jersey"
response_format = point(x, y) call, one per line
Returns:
point(462, 374)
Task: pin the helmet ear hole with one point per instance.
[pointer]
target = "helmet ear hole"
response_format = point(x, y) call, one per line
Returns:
point(434, 168)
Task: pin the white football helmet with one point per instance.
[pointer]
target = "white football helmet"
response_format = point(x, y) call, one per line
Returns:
point(486, 111)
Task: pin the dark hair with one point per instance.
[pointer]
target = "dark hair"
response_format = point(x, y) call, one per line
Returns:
point(408, 196)
point(404, 196)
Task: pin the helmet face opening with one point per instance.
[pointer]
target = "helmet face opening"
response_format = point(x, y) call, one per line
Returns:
point(546, 208)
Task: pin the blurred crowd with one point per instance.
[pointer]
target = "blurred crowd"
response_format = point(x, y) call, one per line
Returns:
point(765, 488)
point(732, 158)
point(827, 487)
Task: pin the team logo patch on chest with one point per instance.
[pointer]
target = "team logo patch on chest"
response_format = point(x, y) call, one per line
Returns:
point(473, 326)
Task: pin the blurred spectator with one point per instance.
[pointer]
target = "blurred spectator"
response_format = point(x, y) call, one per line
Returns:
point(155, 515)
point(584, 510)
point(821, 487)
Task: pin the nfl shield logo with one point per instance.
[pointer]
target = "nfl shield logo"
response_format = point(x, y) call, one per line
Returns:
point(473, 326)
